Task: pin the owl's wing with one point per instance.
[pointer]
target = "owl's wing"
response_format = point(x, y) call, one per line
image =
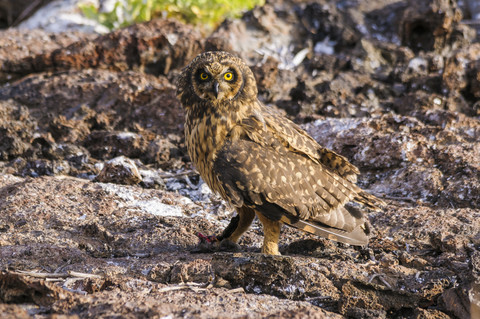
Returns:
point(282, 131)
point(288, 186)
point(299, 141)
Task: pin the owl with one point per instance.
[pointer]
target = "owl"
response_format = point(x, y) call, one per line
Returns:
point(262, 163)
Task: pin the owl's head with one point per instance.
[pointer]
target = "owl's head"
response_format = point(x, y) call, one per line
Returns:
point(216, 77)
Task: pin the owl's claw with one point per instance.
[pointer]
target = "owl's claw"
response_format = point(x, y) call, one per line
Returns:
point(206, 244)
point(210, 243)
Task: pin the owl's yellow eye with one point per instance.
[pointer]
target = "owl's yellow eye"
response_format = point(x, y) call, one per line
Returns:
point(203, 76)
point(228, 76)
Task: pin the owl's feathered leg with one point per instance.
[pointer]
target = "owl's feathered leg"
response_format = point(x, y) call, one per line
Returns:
point(235, 229)
point(271, 235)
point(246, 217)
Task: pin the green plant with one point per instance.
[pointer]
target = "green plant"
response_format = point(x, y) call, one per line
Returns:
point(207, 13)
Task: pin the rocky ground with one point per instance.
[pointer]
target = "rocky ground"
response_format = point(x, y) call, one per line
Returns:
point(101, 207)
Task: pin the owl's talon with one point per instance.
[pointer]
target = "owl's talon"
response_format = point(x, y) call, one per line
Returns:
point(206, 244)
point(210, 244)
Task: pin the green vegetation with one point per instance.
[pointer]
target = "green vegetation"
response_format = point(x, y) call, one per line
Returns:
point(206, 13)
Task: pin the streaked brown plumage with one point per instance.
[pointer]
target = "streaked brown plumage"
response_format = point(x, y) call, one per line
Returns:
point(261, 162)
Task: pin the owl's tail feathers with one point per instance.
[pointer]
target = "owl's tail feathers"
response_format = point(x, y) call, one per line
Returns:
point(357, 237)
point(370, 201)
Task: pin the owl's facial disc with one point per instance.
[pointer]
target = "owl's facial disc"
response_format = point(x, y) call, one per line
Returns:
point(217, 82)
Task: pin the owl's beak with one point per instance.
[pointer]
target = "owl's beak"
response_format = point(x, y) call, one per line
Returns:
point(215, 88)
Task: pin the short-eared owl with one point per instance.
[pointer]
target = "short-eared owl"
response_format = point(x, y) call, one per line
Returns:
point(262, 163)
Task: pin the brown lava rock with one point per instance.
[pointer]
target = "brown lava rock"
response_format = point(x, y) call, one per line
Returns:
point(119, 170)
point(155, 47)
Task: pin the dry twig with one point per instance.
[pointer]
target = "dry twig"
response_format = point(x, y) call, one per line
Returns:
point(56, 276)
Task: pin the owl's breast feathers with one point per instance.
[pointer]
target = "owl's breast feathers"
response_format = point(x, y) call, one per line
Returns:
point(207, 129)
point(255, 157)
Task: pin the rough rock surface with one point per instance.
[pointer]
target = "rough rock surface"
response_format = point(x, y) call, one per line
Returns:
point(398, 96)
